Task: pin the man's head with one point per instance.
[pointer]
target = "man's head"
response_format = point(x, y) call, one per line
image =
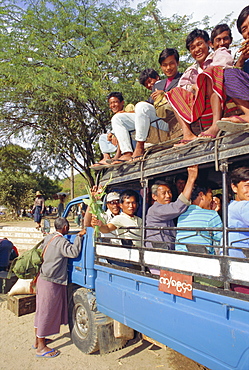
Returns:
point(221, 36)
point(240, 183)
point(112, 202)
point(202, 196)
point(61, 224)
point(180, 182)
point(198, 43)
point(169, 62)
point(161, 192)
point(148, 77)
point(243, 22)
point(129, 201)
point(116, 101)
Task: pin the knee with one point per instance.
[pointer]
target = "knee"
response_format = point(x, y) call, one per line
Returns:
point(142, 106)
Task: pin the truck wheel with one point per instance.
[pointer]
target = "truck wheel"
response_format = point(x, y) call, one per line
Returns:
point(82, 322)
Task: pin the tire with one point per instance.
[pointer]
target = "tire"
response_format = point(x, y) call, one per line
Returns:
point(86, 323)
point(82, 322)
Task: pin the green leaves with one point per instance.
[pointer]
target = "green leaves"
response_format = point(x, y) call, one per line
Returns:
point(95, 203)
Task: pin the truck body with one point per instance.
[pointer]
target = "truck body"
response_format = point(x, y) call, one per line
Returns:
point(212, 326)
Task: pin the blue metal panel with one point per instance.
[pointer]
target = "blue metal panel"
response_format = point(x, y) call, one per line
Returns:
point(81, 269)
point(73, 202)
point(211, 329)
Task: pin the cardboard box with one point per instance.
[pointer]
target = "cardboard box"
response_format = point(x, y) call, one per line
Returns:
point(21, 304)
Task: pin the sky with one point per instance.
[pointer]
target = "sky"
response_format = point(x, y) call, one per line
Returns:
point(216, 9)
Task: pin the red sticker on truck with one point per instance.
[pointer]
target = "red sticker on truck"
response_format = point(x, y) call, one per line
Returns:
point(177, 284)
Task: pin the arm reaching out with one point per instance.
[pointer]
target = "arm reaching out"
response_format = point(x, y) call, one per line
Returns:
point(103, 228)
point(192, 176)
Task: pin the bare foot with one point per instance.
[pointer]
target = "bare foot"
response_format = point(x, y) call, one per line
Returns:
point(211, 132)
point(99, 163)
point(125, 157)
point(237, 119)
point(185, 140)
point(47, 352)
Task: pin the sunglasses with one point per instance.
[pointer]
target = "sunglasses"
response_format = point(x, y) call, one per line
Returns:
point(113, 202)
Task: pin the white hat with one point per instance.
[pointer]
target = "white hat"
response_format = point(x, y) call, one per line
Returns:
point(112, 196)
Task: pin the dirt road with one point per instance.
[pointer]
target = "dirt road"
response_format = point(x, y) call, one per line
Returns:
point(16, 351)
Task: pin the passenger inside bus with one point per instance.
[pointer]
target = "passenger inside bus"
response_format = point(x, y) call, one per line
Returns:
point(163, 211)
point(113, 209)
point(129, 201)
point(199, 95)
point(200, 215)
point(238, 216)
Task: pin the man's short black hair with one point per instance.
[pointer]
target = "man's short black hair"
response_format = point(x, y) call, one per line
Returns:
point(204, 187)
point(239, 174)
point(199, 188)
point(219, 29)
point(116, 94)
point(194, 35)
point(127, 194)
point(148, 73)
point(167, 53)
point(242, 17)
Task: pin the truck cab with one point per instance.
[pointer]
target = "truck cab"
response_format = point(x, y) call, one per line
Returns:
point(207, 323)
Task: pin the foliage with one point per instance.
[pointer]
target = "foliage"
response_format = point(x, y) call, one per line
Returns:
point(18, 182)
point(95, 203)
point(59, 61)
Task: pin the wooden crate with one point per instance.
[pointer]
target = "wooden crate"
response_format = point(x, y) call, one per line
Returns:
point(21, 304)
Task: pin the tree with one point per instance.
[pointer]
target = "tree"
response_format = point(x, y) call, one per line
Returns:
point(18, 182)
point(60, 59)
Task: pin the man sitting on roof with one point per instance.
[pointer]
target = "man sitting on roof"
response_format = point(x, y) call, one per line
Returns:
point(145, 113)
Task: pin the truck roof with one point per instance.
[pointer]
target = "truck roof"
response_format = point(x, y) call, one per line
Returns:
point(163, 158)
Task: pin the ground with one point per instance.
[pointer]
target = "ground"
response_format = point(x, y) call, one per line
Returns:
point(17, 336)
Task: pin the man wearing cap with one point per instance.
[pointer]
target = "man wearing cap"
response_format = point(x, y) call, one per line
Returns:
point(38, 209)
point(113, 209)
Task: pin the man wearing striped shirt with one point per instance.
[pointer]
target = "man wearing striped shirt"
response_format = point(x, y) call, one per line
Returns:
point(199, 215)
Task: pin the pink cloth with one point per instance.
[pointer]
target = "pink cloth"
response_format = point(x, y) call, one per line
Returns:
point(169, 80)
point(51, 307)
point(221, 57)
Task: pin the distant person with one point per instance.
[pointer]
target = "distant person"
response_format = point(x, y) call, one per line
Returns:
point(6, 247)
point(38, 209)
point(62, 198)
point(179, 184)
point(51, 295)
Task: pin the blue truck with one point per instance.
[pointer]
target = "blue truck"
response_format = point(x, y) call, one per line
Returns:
point(211, 326)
